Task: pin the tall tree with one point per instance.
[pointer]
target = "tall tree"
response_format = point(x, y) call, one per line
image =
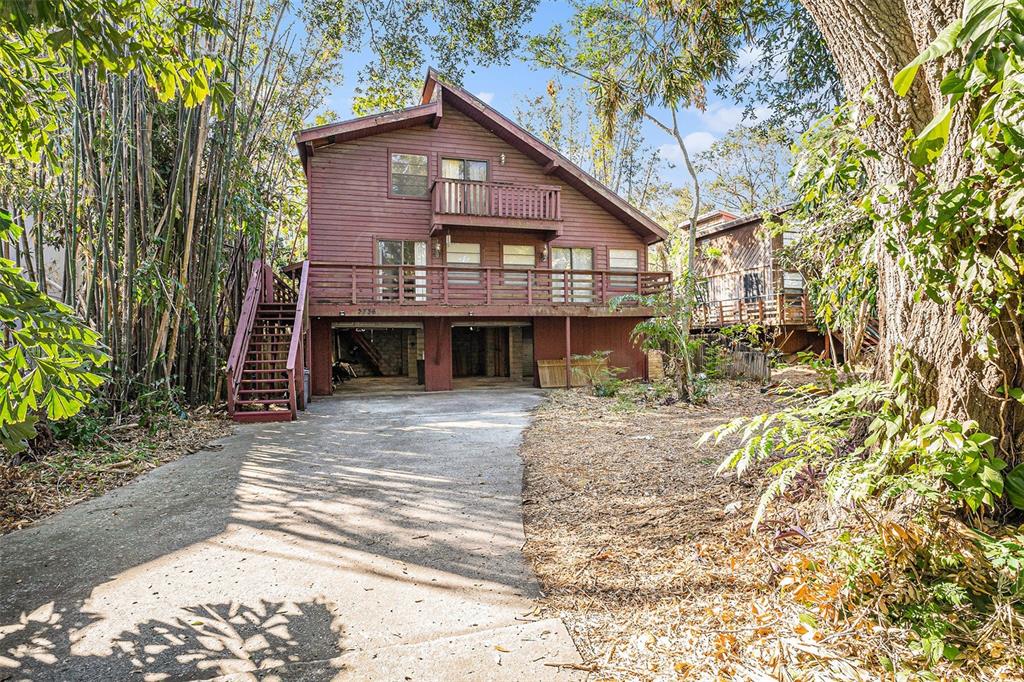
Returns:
point(401, 37)
point(649, 60)
point(748, 168)
point(563, 118)
point(949, 285)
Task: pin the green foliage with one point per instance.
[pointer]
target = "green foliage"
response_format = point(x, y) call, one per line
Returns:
point(833, 244)
point(563, 118)
point(402, 37)
point(49, 358)
point(965, 239)
point(602, 377)
point(792, 77)
point(44, 40)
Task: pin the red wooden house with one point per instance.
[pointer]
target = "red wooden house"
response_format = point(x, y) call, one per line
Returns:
point(445, 243)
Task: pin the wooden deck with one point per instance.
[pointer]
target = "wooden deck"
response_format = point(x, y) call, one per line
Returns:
point(353, 289)
point(782, 310)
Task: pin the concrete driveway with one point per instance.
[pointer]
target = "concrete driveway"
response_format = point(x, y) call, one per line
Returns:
point(375, 538)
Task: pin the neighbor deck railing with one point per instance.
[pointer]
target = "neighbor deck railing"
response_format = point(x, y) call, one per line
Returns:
point(778, 309)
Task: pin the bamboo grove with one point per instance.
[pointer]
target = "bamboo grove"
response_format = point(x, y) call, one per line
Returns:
point(146, 219)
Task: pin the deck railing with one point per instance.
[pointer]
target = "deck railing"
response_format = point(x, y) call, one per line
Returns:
point(497, 200)
point(778, 309)
point(412, 285)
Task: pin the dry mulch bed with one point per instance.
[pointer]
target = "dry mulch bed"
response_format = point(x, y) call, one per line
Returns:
point(34, 490)
point(644, 552)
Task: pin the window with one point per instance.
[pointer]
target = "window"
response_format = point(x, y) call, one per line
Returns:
point(579, 286)
point(626, 260)
point(522, 256)
point(753, 286)
point(461, 198)
point(467, 255)
point(392, 252)
point(623, 259)
point(518, 256)
point(409, 175)
point(464, 169)
point(792, 282)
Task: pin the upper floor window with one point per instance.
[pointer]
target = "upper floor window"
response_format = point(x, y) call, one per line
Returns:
point(464, 169)
point(409, 175)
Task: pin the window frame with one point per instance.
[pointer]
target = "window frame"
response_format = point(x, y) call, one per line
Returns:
point(533, 250)
point(412, 152)
point(441, 156)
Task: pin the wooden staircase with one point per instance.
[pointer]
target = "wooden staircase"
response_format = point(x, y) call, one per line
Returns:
point(270, 352)
point(371, 351)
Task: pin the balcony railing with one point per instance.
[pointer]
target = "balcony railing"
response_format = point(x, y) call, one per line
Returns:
point(496, 200)
point(416, 285)
point(780, 309)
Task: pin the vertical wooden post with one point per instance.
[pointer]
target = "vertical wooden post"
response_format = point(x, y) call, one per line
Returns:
point(487, 277)
point(401, 285)
point(444, 283)
point(760, 310)
point(354, 301)
point(781, 309)
point(529, 287)
point(803, 306)
point(568, 353)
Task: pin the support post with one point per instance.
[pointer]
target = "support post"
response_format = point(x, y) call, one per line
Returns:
point(568, 353)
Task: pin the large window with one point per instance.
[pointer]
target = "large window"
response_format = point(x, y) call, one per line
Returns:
point(393, 252)
point(467, 255)
point(578, 286)
point(465, 198)
point(409, 175)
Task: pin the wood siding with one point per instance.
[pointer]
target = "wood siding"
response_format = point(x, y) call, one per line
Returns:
point(745, 257)
point(350, 208)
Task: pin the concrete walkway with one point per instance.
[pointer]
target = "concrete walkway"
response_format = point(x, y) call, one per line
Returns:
point(377, 538)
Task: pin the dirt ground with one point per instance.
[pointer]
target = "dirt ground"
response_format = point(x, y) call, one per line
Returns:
point(66, 476)
point(644, 552)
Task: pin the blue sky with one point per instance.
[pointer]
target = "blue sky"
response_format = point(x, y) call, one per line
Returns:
point(505, 88)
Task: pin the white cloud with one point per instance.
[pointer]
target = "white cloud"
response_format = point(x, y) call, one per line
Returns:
point(695, 144)
point(719, 118)
point(487, 97)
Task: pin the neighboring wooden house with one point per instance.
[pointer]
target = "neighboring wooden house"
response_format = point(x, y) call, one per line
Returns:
point(444, 241)
point(741, 282)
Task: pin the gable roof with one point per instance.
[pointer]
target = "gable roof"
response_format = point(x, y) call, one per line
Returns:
point(436, 94)
point(742, 221)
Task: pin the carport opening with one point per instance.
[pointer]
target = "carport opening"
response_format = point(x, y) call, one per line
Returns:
point(491, 354)
point(376, 357)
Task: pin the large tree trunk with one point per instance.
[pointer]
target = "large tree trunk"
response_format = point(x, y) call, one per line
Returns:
point(870, 41)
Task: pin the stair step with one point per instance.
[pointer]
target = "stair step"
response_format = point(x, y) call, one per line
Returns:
point(268, 401)
point(263, 371)
point(254, 416)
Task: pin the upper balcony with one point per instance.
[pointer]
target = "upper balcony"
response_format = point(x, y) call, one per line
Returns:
point(418, 290)
point(504, 205)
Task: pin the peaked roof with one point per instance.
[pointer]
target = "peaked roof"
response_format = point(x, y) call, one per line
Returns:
point(438, 93)
point(741, 221)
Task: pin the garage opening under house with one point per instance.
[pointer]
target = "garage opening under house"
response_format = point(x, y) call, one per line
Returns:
point(447, 247)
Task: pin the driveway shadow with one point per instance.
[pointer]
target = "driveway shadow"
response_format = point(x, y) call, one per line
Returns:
point(370, 521)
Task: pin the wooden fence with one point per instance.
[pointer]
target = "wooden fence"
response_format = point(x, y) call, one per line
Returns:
point(738, 362)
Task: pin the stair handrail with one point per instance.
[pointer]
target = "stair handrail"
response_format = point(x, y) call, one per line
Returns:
point(243, 331)
point(298, 329)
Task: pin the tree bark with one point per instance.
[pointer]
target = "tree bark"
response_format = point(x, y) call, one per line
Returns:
point(870, 41)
